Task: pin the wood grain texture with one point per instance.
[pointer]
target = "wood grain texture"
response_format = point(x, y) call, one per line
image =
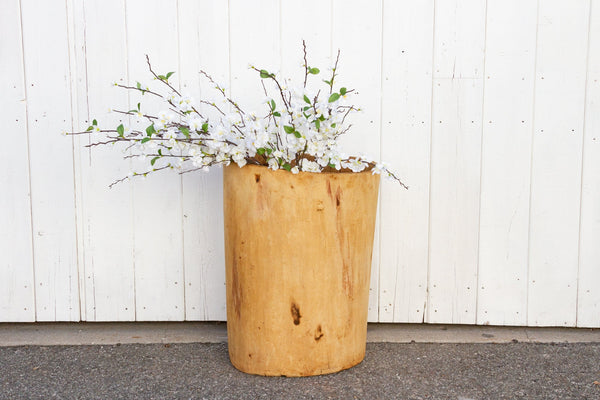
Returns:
point(298, 254)
point(204, 261)
point(506, 162)
point(157, 211)
point(488, 111)
point(46, 36)
point(588, 299)
point(455, 161)
point(107, 234)
point(556, 163)
point(405, 142)
point(16, 265)
point(357, 31)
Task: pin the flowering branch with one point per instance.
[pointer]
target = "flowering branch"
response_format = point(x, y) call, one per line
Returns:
point(298, 134)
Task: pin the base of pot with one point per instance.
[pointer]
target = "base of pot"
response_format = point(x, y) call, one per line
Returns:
point(294, 373)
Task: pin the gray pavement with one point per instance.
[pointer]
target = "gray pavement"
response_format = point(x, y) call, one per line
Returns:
point(508, 369)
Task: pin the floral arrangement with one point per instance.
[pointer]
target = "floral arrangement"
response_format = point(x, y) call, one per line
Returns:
point(298, 132)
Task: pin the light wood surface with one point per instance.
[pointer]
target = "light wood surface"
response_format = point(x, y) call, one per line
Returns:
point(298, 254)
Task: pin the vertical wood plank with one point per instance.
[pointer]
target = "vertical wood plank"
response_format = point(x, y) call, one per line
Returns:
point(588, 304)
point(405, 144)
point(78, 92)
point(45, 37)
point(506, 162)
point(299, 21)
point(158, 236)
point(204, 257)
point(455, 161)
point(357, 32)
point(107, 233)
point(253, 43)
point(16, 267)
point(556, 162)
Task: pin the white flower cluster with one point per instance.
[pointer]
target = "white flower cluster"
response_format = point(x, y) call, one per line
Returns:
point(297, 130)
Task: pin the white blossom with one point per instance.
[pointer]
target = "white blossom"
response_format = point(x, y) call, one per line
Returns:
point(293, 128)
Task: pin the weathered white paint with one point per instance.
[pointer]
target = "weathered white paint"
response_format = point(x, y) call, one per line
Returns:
point(107, 229)
point(204, 259)
point(16, 265)
point(501, 224)
point(405, 142)
point(588, 299)
point(459, 43)
point(157, 203)
point(48, 82)
point(506, 162)
point(556, 162)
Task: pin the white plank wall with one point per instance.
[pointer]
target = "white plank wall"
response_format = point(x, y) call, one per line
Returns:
point(204, 259)
point(588, 299)
point(405, 142)
point(506, 162)
point(458, 50)
point(16, 268)
point(561, 60)
point(488, 110)
point(45, 36)
point(108, 263)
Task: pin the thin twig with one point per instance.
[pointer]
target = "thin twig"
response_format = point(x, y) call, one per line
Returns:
point(165, 81)
point(305, 63)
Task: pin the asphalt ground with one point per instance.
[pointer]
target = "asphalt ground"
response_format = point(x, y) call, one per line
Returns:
point(390, 371)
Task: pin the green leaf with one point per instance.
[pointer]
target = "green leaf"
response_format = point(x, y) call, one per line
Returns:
point(322, 118)
point(327, 82)
point(333, 125)
point(287, 167)
point(154, 160)
point(276, 114)
point(205, 127)
point(272, 104)
point(138, 106)
point(269, 151)
point(144, 140)
point(185, 131)
point(132, 111)
point(162, 78)
point(297, 134)
point(264, 74)
point(89, 129)
point(169, 74)
point(260, 151)
point(150, 130)
point(333, 97)
point(94, 122)
point(343, 91)
point(138, 85)
point(120, 130)
point(306, 108)
point(160, 152)
point(306, 99)
point(318, 124)
point(314, 71)
point(288, 129)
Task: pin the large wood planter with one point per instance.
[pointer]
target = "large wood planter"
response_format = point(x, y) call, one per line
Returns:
point(298, 258)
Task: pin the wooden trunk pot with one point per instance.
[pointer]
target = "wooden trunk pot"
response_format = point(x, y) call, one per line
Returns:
point(298, 261)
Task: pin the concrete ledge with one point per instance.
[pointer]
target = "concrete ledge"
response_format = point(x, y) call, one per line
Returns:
point(98, 333)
